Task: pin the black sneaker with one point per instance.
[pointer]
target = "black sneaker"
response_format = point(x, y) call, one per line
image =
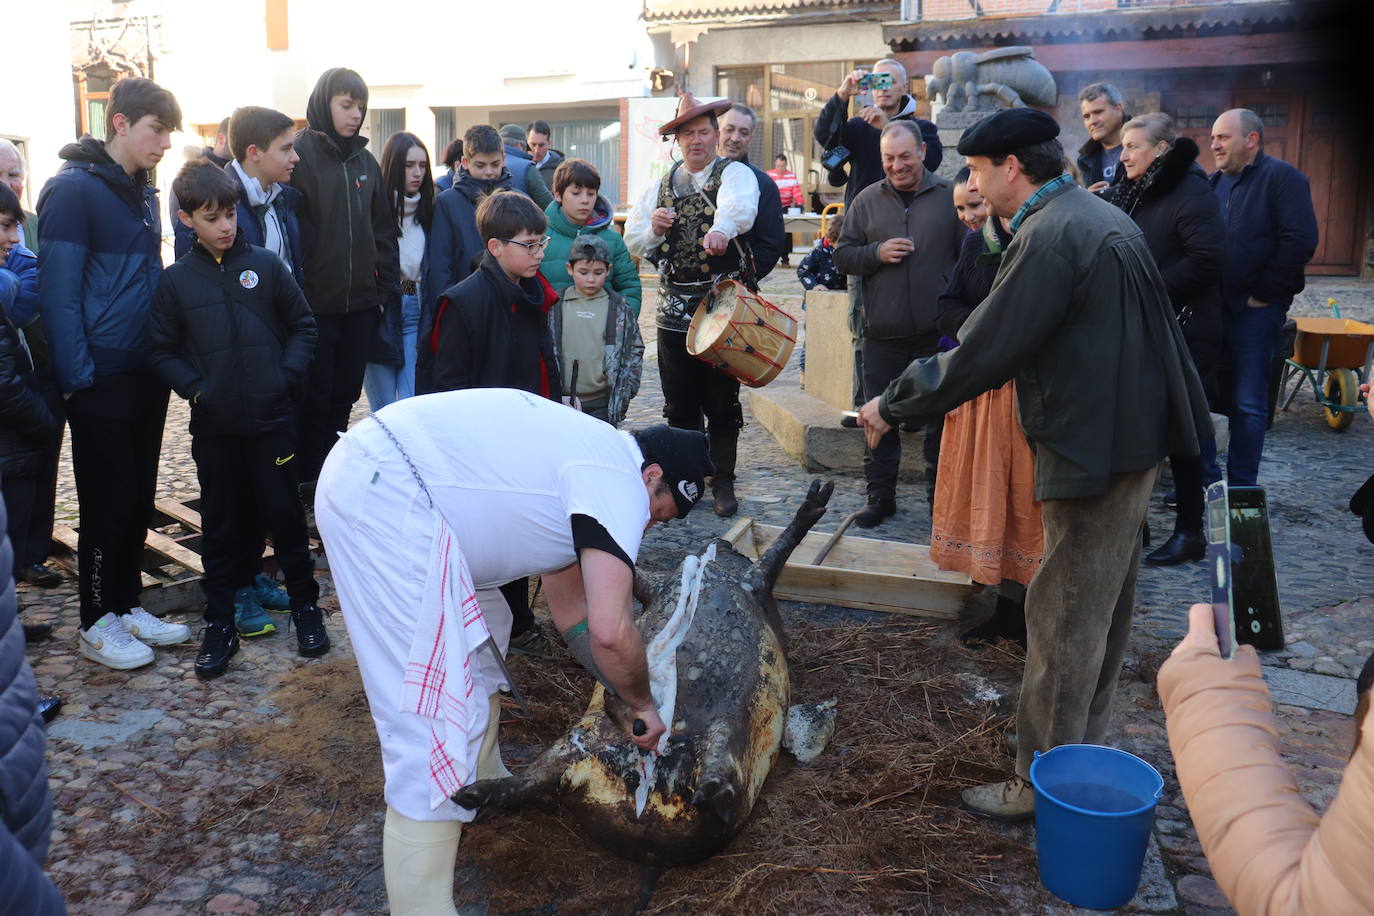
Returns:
point(49, 707)
point(532, 642)
point(39, 575)
point(218, 644)
point(311, 638)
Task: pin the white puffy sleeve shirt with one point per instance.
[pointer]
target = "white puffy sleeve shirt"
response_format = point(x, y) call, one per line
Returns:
point(737, 203)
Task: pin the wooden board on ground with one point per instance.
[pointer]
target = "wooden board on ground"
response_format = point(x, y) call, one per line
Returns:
point(170, 572)
point(863, 573)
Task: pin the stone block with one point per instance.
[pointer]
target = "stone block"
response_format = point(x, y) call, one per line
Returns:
point(1312, 691)
point(829, 349)
point(809, 430)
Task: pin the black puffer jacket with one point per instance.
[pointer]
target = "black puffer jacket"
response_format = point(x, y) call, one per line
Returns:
point(25, 803)
point(232, 337)
point(1179, 215)
point(348, 234)
point(490, 333)
point(26, 424)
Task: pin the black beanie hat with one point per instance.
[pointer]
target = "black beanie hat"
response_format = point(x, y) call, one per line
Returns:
point(684, 458)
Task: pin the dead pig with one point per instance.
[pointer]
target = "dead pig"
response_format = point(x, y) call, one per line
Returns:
point(718, 664)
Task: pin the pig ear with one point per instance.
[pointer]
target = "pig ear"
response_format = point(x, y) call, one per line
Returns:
point(645, 588)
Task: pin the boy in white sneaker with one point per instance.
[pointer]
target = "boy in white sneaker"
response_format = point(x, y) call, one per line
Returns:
point(102, 256)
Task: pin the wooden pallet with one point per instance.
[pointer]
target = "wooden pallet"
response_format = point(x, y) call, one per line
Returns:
point(863, 573)
point(171, 564)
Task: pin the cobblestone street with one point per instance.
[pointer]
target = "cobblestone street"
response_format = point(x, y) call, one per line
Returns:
point(174, 795)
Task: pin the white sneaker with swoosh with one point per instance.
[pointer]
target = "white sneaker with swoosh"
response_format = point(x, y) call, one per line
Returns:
point(109, 642)
point(151, 631)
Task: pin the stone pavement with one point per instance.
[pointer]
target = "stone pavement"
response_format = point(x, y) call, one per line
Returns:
point(166, 805)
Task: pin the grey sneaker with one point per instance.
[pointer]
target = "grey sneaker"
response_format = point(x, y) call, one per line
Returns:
point(532, 642)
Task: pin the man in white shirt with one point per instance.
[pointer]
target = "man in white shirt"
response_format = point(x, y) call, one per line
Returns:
point(426, 507)
point(690, 225)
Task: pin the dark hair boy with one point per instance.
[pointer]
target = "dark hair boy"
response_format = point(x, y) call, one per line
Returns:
point(453, 245)
point(231, 332)
point(102, 257)
point(348, 240)
point(579, 210)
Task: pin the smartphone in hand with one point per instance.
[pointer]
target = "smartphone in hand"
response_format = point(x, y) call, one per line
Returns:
point(1255, 595)
point(1219, 566)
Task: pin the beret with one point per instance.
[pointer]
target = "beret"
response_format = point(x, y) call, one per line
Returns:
point(1007, 131)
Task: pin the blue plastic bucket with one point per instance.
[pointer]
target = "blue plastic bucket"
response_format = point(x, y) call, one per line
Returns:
point(1094, 807)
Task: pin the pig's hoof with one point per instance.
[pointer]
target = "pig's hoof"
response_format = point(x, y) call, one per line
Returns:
point(485, 794)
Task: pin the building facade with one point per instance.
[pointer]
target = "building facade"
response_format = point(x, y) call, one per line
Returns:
point(1192, 60)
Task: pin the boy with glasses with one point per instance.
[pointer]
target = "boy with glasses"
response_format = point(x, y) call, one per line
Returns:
point(492, 330)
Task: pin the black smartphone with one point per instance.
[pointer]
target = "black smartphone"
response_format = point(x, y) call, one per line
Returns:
point(1219, 563)
point(1255, 588)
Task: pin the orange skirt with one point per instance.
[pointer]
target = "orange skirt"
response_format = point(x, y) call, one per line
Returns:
point(986, 522)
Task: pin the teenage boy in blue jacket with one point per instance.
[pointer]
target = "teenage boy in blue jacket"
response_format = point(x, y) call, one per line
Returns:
point(102, 237)
point(231, 333)
point(1271, 234)
point(352, 268)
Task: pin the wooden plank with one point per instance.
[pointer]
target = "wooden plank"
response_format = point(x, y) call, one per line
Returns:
point(868, 574)
point(181, 513)
point(67, 537)
point(163, 545)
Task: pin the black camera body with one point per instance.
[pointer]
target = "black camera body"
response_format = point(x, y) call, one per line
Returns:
point(835, 157)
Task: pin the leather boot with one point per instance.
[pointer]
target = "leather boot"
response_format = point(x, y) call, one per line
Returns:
point(723, 483)
point(418, 860)
point(1182, 547)
point(878, 509)
point(1007, 622)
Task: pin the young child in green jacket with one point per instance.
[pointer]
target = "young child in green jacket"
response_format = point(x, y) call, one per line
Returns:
point(578, 209)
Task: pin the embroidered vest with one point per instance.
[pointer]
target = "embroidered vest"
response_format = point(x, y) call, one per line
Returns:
point(680, 257)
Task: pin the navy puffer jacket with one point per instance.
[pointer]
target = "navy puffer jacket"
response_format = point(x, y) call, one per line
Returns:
point(25, 803)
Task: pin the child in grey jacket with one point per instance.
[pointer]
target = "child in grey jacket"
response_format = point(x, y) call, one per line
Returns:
point(596, 335)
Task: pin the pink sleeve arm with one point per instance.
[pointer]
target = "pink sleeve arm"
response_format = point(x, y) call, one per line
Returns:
point(1262, 839)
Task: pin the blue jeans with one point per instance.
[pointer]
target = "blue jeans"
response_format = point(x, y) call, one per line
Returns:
point(1251, 336)
point(386, 384)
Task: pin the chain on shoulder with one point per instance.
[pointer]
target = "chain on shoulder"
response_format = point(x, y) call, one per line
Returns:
point(406, 458)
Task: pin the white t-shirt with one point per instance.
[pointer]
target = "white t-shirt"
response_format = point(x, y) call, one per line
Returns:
point(508, 470)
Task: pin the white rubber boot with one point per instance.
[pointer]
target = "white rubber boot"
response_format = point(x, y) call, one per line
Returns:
point(418, 859)
point(489, 764)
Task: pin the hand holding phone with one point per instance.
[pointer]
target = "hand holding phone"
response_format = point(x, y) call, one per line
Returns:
point(1219, 567)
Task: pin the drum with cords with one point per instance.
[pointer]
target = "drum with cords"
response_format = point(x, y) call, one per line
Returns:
point(742, 334)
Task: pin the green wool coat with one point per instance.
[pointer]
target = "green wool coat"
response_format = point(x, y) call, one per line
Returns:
point(624, 277)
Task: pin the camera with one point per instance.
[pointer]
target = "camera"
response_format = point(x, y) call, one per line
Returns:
point(875, 81)
point(835, 158)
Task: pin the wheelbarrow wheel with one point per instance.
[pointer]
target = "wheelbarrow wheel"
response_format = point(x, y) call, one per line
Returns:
point(1342, 389)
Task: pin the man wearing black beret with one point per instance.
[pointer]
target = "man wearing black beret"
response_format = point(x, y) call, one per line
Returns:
point(1078, 314)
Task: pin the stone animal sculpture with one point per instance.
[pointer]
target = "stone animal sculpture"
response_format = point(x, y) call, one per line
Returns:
point(716, 649)
point(978, 82)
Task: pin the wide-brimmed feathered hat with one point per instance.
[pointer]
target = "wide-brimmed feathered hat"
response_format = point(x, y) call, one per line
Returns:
point(689, 109)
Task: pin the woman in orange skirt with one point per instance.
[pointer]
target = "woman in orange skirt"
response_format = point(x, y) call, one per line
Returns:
point(986, 522)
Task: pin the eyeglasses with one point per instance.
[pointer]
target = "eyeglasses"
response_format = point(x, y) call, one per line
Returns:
point(532, 247)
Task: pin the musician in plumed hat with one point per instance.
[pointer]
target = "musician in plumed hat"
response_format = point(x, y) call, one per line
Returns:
point(1079, 316)
point(690, 224)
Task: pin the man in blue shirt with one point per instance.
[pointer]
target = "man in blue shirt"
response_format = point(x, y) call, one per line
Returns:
point(1271, 234)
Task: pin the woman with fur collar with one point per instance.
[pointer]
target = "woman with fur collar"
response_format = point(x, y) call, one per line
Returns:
point(1167, 194)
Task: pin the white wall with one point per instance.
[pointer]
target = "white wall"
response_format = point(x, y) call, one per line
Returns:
point(39, 104)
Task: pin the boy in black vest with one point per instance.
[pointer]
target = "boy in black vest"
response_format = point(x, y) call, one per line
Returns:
point(231, 332)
